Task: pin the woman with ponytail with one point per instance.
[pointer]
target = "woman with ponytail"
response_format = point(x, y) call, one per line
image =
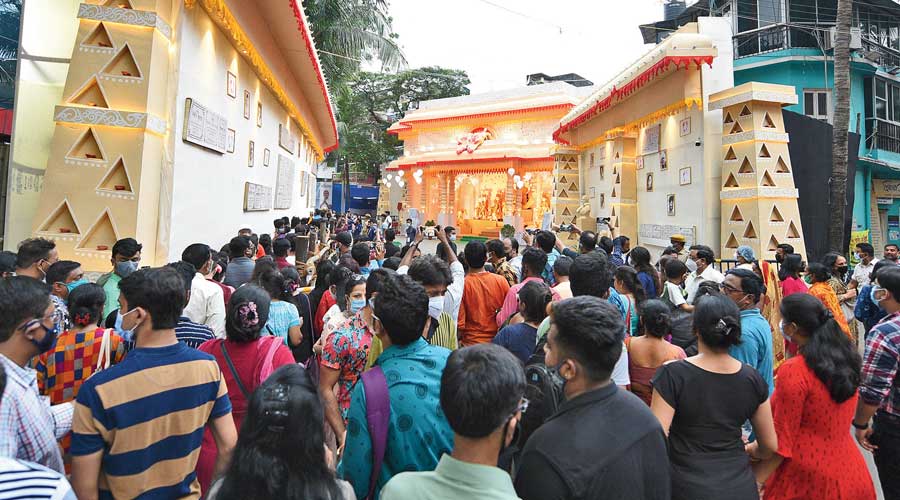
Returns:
point(650, 350)
point(246, 357)
point(629, 286)
point(79, 346)
point(814, 403)
point(702, 403)
point(284, 320)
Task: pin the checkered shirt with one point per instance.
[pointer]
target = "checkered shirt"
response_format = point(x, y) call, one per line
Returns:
point(880, 385)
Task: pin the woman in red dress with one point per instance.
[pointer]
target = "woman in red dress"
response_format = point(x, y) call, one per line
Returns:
point(813, 406)
point(245, 359)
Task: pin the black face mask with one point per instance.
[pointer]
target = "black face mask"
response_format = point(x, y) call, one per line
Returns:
point(779, 258)
point(842, 270)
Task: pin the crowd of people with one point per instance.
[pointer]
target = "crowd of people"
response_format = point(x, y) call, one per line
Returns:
point(326, 360)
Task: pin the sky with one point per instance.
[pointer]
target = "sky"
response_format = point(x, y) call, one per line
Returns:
point(498, 48)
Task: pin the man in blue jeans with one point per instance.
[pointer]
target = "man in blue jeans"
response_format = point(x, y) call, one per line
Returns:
point(418, 432)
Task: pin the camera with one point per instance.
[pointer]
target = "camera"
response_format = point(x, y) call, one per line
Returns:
point(565, 227)
point(604, 220)
point(697, 143)
point(531, 231)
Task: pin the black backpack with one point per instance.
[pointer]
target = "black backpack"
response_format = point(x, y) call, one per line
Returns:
point(544, 392)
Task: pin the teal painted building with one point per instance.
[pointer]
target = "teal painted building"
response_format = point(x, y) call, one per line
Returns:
point(789, 42)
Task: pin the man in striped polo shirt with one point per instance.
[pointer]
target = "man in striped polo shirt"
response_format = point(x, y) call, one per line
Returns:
point(138, 425)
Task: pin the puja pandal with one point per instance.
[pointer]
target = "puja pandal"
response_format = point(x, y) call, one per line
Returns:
point(180, 121)
point(479, 162)
point(668, 146)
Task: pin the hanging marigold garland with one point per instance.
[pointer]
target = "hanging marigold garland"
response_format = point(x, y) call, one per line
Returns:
point(636, 83)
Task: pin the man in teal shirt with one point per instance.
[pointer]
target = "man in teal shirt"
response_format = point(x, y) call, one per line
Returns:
point(481, 395)
point(418, 432)
point(126, 257)
point(745, 288)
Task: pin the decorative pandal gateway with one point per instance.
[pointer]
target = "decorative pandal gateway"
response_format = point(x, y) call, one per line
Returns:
point(657, 156)
point(478, 162)
point(174, 112)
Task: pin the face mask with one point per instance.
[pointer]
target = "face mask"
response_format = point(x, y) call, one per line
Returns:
point(356, 305)
point(435, 306)
point(282, 230)
point(452, 237)
point(781, 329)
point(127, 335)
point(46, 343)
point(872, 295)
point(856, 255)
point(736, 256)
point(75, 284)
point(691, 265)
point(843, 270)
point(124, 269)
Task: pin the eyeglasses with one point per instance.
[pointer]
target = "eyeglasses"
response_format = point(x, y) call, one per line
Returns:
point(728, 288)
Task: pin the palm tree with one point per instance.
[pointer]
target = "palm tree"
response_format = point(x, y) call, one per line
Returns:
point(347, 32)
point(836, 233)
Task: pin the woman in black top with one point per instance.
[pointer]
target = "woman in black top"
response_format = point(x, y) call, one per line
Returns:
point(703, 401)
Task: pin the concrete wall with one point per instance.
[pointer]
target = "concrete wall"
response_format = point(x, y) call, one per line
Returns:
point(208, 187)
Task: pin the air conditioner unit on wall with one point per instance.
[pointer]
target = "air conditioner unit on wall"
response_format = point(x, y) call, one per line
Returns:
point(855, 38)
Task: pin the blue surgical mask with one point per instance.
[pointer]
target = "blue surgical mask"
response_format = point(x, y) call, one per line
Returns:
point(124, 269)
point(781, 329)
point(46, 343)
point(356, 305)
point(127, 335)
point(75, 284)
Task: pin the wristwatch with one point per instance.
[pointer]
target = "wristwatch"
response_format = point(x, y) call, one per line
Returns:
point(861, 427)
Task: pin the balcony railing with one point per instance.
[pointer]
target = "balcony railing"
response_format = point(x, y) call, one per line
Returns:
point(772, 38)
point(883, 135)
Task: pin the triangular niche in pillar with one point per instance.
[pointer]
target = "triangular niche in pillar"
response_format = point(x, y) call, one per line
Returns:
point(781, 166)
point(767, 180)
point(618, 179)
point(792, 232)
point(746, 167)
point(731, 182)
point(728, 119)
point(573, 187)
point(566, 212)
point(563, 194)
point(750, 232)
point(764, 152)
point(730, 154)
point(776, 215)
point(614, 195)
point(562, 179)
point(119, 4)
point(617, 155)
point(101, 236)
point(91, 94)
point(117, 179)
point(736, 129)
point(613, 214)
point(732, 242)
point(736, 215)
point(99, 37)
point(767, 122)
point(773, 244)
point(123, 64)
point(61, 221)
point(615, 170)
point(745, 111)
point(86, 148)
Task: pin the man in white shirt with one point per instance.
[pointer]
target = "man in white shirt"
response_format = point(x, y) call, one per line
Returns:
point(866, 255)
point(206, 305)
point(704, 257)
point(453, 296)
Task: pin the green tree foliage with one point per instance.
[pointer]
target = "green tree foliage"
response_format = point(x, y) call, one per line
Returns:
point(376, 100)
point(347, 32)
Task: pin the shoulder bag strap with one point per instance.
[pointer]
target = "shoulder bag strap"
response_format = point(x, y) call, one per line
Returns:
point(378, 414)
point(234, 372)
point(103, 360)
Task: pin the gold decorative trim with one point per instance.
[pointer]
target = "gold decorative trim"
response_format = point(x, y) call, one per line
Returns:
point(222, 16)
